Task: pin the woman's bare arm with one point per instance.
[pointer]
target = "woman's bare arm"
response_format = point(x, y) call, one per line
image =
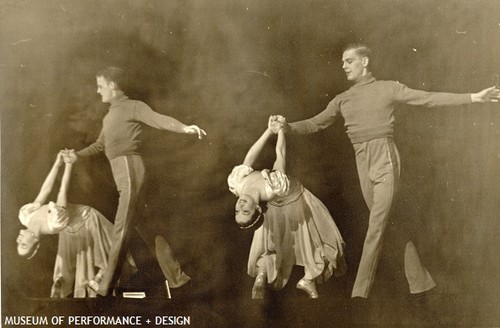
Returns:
point(48, 184)
point(280, 163)
point(62, 199)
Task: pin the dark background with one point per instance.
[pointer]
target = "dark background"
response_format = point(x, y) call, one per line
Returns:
point(226, 66)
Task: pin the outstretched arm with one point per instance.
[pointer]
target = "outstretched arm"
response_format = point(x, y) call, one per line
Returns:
point(91, 150)
point(314, 124)
point(280, 163)
point(405, 95)
point(257, 147)
point(48, 184)
point(62, 199)
point(146, 115)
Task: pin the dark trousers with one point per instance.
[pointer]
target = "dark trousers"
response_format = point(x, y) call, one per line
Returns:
point(378, 166)
point(128, 172)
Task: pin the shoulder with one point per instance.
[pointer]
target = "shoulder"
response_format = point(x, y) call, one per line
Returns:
point(334, 104)
point(242, 170)
point(278, 182)
point(235, 178)
point(239, 172)
point(140, 103)
point(139, 106)
point(58, 218)
point(387, 87)
point(389, 84)
point(26, 211)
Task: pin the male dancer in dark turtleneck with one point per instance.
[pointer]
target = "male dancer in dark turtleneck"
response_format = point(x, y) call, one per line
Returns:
point(120, 140)
point(368, 111)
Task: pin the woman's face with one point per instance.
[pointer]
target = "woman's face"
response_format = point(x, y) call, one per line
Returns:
point(26, 242)
point(244, 209)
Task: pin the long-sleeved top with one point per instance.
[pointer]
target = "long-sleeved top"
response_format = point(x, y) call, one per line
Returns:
point(368, 108)
point(121, 128)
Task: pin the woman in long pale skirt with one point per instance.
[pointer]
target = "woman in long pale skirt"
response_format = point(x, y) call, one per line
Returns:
point(84, 236)
point(292, 226)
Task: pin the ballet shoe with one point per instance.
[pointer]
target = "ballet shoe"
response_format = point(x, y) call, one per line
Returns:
point(57, 288)
point(308, 286)
point(259, 285)
point(92, 285)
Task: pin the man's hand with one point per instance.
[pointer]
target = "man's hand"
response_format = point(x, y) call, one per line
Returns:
point(194, 129)
point(491, 94)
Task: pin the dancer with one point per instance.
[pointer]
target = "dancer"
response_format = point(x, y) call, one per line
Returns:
point(292, 226)
point(84, 236)
point(368, 110)
point(120, 139)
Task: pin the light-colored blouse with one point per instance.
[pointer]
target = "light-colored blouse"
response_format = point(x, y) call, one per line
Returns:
point(277, 183)
point(57, 216)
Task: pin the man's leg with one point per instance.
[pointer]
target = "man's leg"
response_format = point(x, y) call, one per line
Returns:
point(169, 265)
point(128, 172)
point(417, 275)
point(378, 169)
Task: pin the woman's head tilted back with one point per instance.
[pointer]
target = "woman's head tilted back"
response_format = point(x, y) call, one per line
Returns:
point(27, 243)
point(248, 214)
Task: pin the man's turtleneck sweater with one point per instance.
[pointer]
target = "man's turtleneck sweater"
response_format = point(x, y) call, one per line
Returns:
point(121, 128)
point(368, 108)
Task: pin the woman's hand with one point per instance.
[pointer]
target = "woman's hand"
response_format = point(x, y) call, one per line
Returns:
point(276, 123)
point(59, 158)
point(195, 129)
point(69, 156)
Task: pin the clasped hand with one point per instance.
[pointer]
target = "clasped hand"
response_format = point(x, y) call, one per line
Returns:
point(68, 156)
point(276, 123)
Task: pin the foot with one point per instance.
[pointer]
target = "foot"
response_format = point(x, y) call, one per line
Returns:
point(308, 286)
point(423, 299)
point(259, 286)
point(57, 288)
point(93, 285)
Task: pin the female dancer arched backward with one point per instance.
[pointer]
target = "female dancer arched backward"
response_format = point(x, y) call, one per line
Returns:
point(84, 236)
point(292, 226)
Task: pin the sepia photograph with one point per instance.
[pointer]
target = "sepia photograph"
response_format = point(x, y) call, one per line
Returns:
point(237, 163)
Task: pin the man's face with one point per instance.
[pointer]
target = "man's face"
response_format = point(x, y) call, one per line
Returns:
point(104, 88)
point(354, 65)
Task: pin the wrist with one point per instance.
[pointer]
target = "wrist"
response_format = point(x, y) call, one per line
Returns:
point(474, 97)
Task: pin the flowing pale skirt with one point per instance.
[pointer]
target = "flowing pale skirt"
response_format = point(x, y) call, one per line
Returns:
point(297, 230)
point(82, 250)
